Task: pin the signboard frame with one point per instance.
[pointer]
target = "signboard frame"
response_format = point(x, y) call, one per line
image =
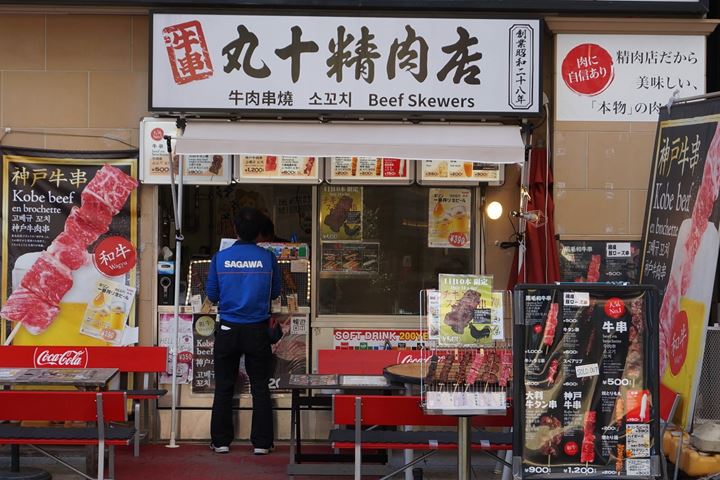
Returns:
point(278, 180)
point(421, 179)
point(379, 180)
point(533, 24)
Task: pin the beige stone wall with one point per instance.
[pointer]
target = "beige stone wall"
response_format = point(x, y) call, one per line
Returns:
point(601, 178)
point(602, 169)
point(74, 81)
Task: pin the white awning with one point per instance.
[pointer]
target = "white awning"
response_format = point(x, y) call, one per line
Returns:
point(475, 143)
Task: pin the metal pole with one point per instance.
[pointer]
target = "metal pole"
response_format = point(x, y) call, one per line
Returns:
point(463, 448)
point(177, 212)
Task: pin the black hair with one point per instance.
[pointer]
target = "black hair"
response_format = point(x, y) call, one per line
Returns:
point(267, 228)
point(247, 224)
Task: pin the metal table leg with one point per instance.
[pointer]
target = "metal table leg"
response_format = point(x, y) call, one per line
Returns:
point(463, 448)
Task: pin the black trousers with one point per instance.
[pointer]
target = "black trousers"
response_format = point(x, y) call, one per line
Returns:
point(232, 341)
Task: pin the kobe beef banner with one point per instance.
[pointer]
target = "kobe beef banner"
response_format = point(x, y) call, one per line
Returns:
point(586, 381)
point(69, 247)
point(680, 239)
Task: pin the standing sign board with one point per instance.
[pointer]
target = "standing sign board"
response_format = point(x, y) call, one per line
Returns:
point(680, 238)
point(279, 64)
point(625, 78)
point(586, 382)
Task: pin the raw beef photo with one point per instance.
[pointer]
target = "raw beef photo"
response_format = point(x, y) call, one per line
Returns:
point(36, 303)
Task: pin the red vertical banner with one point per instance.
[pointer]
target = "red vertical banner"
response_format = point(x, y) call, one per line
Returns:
point(69, 249)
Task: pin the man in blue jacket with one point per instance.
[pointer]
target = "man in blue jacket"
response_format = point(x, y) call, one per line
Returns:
point(242, 281)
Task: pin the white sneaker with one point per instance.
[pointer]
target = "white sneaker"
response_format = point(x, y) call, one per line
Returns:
point(224, 449)
point(263, 451)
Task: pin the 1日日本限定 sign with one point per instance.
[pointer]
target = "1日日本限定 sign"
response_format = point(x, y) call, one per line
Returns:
point(386, 65)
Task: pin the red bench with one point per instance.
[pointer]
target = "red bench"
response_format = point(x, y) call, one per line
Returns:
point(395, 411)
point(98, 407)
point(128, 360)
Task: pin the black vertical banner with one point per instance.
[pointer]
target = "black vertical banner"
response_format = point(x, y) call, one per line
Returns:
point(680, 238)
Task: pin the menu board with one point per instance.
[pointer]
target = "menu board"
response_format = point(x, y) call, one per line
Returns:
point(203, 374)
point(369, 170)
point(587, 383)
point(271, 168)
point(341, 213)
point(459, 172)
point(350, 257)
point(154, 164)
point(599, 261)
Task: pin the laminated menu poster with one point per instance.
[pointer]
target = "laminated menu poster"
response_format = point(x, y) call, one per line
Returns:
point(69, 221)
point(341, 213)
point(466, 310)
point(289, 354)
point(595, 261)
point(587, 382)
point(449, 218)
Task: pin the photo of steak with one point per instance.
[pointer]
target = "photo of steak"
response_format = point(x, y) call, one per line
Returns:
point(48, 279)
point(96, 212)
point(81, 228)
point(70, 250)
point(462, 313)
point(29, 309)
point(339, 213)
point(111, 186)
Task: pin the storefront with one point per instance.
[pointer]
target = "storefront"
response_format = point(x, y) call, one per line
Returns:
point(373, 209)
point(594, 146)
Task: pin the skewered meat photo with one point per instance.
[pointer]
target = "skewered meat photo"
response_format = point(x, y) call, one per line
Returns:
point(339, 213)
point(462, 312)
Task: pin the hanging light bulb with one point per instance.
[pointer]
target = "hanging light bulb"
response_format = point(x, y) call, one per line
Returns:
point(494, 210)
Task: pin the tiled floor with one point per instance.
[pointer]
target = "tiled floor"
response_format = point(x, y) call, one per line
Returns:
point(197, 462)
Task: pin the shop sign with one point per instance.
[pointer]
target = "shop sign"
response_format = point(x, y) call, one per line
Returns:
point(377, 339)
point(458, 172)
point(370, 170)
point(625, 77)
point(276, 169)
point(69, 251)
point(154, 165)
point(680, 240)
point(449, 218)
point(301, 64)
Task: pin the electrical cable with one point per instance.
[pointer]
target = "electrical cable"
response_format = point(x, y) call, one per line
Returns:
point(8, 131)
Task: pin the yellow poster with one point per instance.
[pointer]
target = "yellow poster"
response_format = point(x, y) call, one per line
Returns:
point(449, 218)
point(467, 310)
point(68, 225)
point(684, 356)
point(341, 213)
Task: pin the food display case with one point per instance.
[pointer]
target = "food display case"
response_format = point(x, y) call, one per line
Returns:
point(586, 390)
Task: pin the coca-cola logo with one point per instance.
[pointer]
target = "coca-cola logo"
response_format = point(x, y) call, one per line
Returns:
point(60, 358)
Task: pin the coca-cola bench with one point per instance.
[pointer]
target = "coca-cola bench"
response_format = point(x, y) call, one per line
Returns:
point(101, 408)
point(363, 411)
point(139, 361)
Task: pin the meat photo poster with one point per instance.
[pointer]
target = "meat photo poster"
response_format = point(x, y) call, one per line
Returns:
point(69, 249)
point(341, 213)
point(467, 315)
point(680, 240)
point(588, 384)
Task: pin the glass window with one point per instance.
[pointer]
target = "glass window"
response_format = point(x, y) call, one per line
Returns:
point(380, 268)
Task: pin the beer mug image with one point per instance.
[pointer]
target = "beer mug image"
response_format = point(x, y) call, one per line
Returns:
point(117, 317)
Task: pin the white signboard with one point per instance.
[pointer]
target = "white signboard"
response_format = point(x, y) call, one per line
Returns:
point(625, 77)
point(277, 169)
point(274, 63)
point(154, 165)
point(370, 170)
point(455, 172)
